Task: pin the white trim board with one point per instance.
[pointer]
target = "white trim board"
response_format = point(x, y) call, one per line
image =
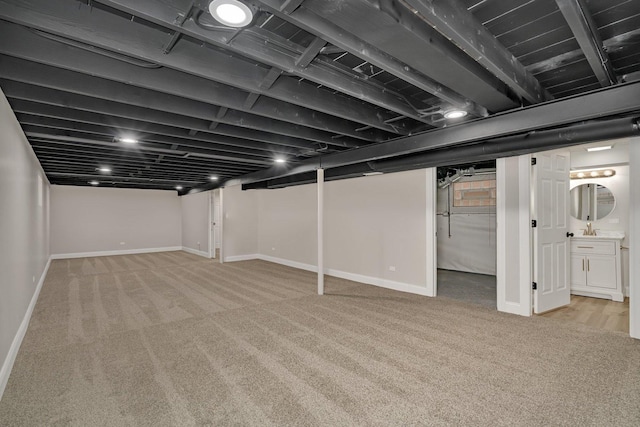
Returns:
point(368, 280)
point(120, 252)
point(196, 252)
point(7, 365)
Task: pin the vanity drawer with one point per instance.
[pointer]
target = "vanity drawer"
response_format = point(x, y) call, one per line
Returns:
point(593, 247)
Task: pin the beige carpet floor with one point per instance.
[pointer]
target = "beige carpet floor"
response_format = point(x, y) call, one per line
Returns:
point(171, 339)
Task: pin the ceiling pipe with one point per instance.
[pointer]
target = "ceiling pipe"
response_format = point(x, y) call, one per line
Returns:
point(531, 142)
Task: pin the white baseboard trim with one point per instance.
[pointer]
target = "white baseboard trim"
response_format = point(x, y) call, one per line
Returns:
point(240, 258)
point(119, 252)
point(7, 365)
point(376, 281)
point(288, 263)
point(196, 252)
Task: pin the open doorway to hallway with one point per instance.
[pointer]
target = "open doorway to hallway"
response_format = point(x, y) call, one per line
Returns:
point(466, 232)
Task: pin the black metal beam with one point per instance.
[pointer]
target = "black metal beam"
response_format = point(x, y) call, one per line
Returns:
point(321, 27)
point(22, 43)
point(107, 31)
point(587, 36)
point(603, 103)
point(310, 52)
point(149, 106)
point(266, 49)
point(452, 19)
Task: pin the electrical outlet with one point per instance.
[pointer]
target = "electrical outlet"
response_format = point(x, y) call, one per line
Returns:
point(392, 268)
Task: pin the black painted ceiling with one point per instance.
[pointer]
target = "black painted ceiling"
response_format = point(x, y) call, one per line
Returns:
point(308, 79)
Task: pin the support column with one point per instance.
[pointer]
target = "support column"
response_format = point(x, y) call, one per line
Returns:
point(634, 240)
point(431, 230)
point(221, 216)
point(320, 178)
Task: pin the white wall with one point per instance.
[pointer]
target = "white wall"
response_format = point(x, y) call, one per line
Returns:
point(634, 238)
point(287, 223)
point(24, 235)
point(375, 223)
point(90, 220)
point(240, 223)
point(195, 222)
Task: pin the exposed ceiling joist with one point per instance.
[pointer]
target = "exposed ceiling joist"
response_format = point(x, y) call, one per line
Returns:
point(451, 19)
point(586, 33)
point(321, 27)
point(308, 124)
point(254, 44)
point(107, 31)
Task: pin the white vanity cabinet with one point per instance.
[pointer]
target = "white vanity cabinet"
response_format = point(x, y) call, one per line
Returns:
point(595, 268)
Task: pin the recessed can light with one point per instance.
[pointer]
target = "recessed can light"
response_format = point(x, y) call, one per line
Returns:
point(213, 178)
point(128, 140)
point(231, 13)
point(94, 182)
point(454, 114)
point(280, 160)
point(104, 169)
point(178, 187)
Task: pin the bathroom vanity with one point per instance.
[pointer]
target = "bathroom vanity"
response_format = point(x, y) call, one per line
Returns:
point(595, 266)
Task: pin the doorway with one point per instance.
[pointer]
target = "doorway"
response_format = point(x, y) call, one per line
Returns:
point(466, 233)
point(215, 223)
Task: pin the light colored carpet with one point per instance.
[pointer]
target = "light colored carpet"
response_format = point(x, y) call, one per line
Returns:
point(172, 339)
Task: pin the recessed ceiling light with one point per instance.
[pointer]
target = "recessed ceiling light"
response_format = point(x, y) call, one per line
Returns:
point(372, 173)
point(128, 140)
point(213, 178)
point(94, 182)
point(454, 114)
point(179, 187)
point(604, 147)
point(104, 169)
point(280, 160)
point(231, 13)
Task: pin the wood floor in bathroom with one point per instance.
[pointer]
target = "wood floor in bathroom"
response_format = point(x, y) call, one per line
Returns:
point(597, 312)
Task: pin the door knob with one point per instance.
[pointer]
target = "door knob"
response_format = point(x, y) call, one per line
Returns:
point(569, 234)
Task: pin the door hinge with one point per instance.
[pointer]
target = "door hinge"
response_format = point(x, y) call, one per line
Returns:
point(534, 286)
point(534, 223)
point(534, 161)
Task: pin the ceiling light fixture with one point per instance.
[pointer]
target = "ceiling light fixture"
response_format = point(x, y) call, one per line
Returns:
point(104, 169)
point(213, 178)
point(94, 182)
point(280, 160)
point(128, 140)
point(178, 187)
point(454, 114)
point(372, 173)
point(604, 147)
point(600, 173)
point(231, 13)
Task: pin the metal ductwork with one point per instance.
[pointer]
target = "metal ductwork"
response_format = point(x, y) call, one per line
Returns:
point(530, 142)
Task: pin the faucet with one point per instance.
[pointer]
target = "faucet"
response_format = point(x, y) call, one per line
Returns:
point(589, 231)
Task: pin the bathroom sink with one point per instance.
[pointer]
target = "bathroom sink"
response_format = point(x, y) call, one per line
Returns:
point(601, 234)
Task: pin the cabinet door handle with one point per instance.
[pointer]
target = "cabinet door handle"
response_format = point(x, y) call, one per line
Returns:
point(585, 247)
point(588, 269)
point(582, 264)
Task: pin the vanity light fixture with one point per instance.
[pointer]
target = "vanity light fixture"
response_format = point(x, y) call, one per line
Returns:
point(599, 173)
point(454, 114)
point(602, 148)
point(231, 13)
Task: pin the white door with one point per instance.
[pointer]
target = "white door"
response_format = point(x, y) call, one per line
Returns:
point(551, 241)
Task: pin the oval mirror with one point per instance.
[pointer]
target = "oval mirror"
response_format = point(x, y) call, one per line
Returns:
point(591, 202)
